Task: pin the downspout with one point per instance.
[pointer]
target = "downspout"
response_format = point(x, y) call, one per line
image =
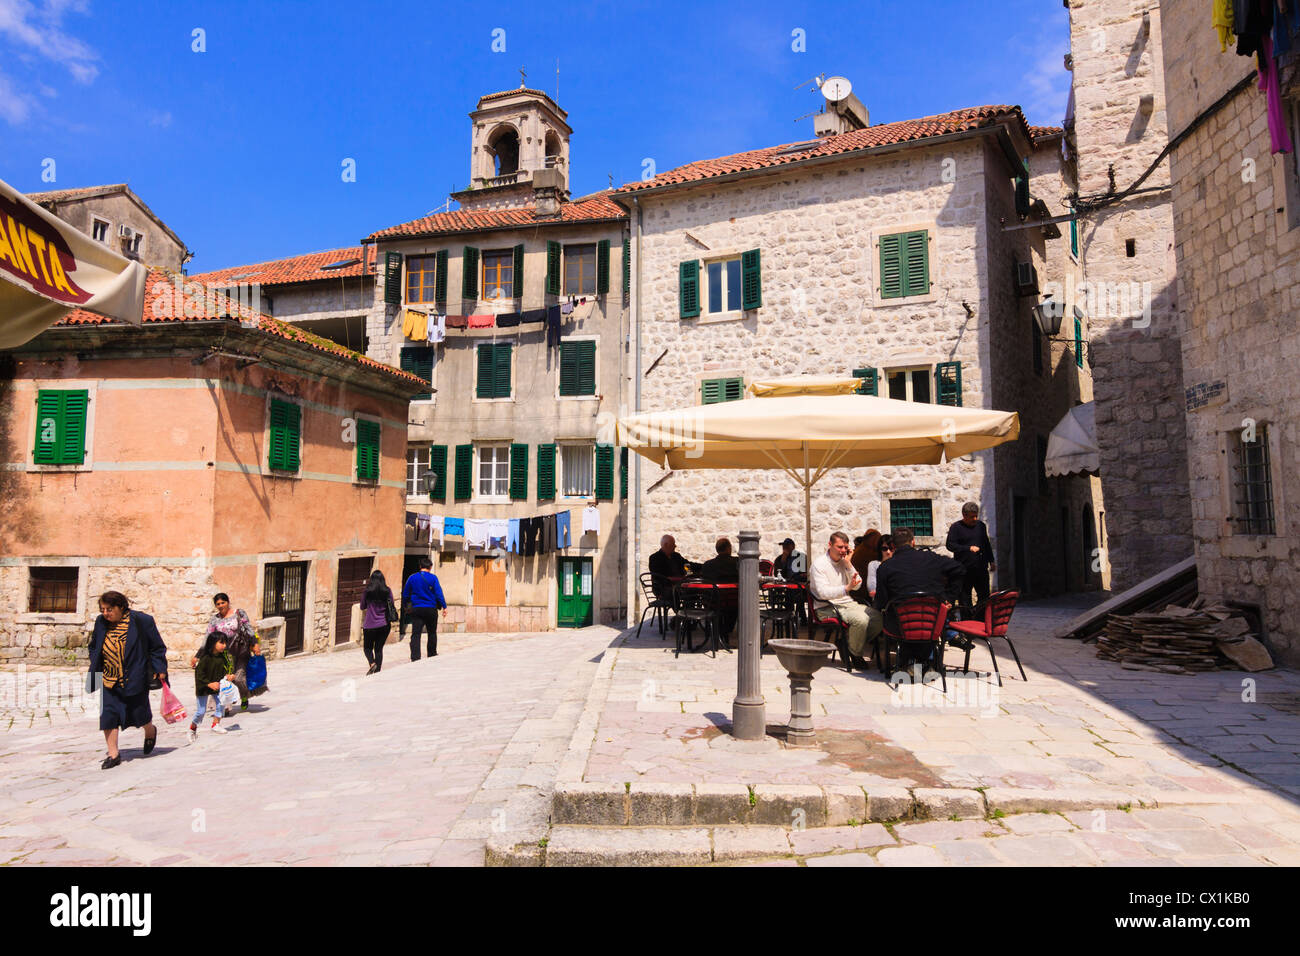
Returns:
point(634, 567)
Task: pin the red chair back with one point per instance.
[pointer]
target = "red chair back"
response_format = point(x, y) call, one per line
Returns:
point(765, 567)
point(816, 616)
point(997, 613)
point(921, 618)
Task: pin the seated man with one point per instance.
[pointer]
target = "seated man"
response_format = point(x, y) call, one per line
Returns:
point(831, 579)
point(668, 567)
point(790, 564)
point(724, 569)
point(911, 571)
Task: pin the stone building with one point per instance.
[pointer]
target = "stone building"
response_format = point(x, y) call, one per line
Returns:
point(117, 217)
point(889, 253)
point(518, 420)
point(1236, 209)
point(1125, 256)
point(197, 454)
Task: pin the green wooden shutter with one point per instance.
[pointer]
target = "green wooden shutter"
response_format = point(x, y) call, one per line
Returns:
point(578, 368)
point(285, 435)
point(486, 387)
point(469, 274)
point(502, 371)
point(947, 383)
point(568, 368)
point(440, 276)
point(1022, 195)
point(1078, 343)
point(627, 265)
point(622, 474)
point(602, 267)
point(891, 266)
point(438, 468)
point(751, 280)
point(916, 272)
point(605, 472)
point(517, 279)
point(870, 381)
point(715, 390)
point(47, 448)
point(367, 449)
point(418, 359)
point(554, 261)
point(1074, 237)
point(519, 472)
point(73, 440)
point(464, 472)
point(393, 278)
point(688, 291)
point(545, 472)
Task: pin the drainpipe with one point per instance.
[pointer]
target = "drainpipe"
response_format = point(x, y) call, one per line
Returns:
point(635, 566)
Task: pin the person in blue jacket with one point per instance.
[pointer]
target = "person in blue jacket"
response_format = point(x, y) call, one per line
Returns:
point(422, 599)
point(127, 652)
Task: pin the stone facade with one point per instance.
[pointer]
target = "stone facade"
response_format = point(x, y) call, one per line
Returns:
point(1119, 129)
point(818, 230)
point(1236, 210)
point(118, 206)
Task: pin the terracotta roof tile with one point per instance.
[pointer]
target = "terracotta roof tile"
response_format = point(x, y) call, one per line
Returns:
point(1038, 132)
point(161, 306)
point(594, 208)
point(886, 134)
point(62, 195)
point(505, 93)
point(304, 268)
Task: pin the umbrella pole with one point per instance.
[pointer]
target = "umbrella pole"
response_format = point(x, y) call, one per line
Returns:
point(807, 512)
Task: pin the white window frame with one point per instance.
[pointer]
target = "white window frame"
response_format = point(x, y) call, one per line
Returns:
point(108, 229)
point(77, 616)
point(561, 476)
point(504, 496)
point(137, 242)
point(897, 369)
point(706, 287)
point(410, 448)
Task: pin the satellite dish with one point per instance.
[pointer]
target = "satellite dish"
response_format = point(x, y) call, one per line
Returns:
point(836, 88)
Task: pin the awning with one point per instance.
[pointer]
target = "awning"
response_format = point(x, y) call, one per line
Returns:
point(1072, 446)
point(804, 385)
point(48, 268)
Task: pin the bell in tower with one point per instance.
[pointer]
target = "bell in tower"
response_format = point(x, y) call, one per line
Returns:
point(520, 146)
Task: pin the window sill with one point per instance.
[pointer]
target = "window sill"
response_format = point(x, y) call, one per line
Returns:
point(492, 500)
point(491, 401)
point(931, 296)
point(45, 617)
point(714, 318)
point(593, 397)
point(33, 468)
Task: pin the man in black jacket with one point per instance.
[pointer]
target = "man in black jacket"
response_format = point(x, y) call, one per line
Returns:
point(968, 540)
point(724, 569)
point(667, 567)
point(911, 571)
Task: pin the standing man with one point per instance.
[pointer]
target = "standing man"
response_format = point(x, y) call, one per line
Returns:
point(968, 540)
point(422, 596)
point(831, 579)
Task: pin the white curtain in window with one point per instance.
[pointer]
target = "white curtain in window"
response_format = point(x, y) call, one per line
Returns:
point(577, 465)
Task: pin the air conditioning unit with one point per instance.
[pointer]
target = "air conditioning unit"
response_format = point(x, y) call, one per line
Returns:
point(1026, 279)
point(126, 232)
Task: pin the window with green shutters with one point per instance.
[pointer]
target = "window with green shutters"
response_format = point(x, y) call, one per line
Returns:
point(61, 426)
point(418, 360)
point(914, 513)
point(947, 383)
point(627, 266)
point(688, 289)
point(622, 474)
point(545, 472)
point(493, 371)
point(1074, 238)
point(605, 472)
point(904, 264)
point(870, 384)
point(286, 430)
point(519, 271)
point(1078, 343)
point(367, 450)
point(751, 280)
point(578, 368)
point(716, 390)
point(518, 472)
point(469, 274)
point(393, 278)
point(602, 267)
point(554, 263)
point(438, 468)
point(464, 472)
point(440, 276)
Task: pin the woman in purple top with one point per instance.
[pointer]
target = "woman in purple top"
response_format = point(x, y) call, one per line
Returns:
point(375, 620)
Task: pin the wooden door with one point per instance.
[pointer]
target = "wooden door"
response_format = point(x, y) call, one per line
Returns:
point(575, 599)
point(353, 574)
point(489, 581)
point(283, 589)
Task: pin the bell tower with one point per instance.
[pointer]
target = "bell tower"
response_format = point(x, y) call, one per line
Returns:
point(519, 143)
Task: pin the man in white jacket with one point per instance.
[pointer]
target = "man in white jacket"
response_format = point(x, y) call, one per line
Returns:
point(831, 579)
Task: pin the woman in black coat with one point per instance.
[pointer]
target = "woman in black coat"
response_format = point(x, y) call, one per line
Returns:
point(127, 652)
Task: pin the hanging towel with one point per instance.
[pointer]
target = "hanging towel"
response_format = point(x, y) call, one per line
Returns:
point(566, 307)
point(438, 328)
point(534, 315)
point(591, 519)
point(512, 536)
point(408, 323)
point(435, 530)
point(476, 533)
point(508, 321)
point(454, 526)
point(457, 321)
point(553, 326)
point(497, 530)
point(563, 534)
point(1221, 19)
point(482, 321)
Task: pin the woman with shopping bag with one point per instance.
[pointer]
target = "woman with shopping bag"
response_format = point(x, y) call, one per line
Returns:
point(241, 644)
point(129, 655)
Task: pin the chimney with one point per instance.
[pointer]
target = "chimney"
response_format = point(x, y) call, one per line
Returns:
point(548, 192)
point(843, 116)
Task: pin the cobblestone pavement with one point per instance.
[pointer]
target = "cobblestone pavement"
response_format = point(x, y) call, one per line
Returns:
point(415, 765)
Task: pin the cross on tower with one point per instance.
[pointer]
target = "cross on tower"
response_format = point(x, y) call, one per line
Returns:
point(522, 77)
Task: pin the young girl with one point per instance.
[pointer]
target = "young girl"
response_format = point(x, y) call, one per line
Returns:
point(208, 674)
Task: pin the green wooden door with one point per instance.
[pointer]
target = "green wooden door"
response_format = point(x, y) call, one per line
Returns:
point(575, 592)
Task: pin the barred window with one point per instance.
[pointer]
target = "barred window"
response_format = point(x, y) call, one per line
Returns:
point(1253, 484)
point(914, 513)
point(52, 590)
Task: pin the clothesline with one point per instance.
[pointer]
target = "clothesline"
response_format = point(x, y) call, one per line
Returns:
point(1267, 30)
point(421, 325)
point(540, 534)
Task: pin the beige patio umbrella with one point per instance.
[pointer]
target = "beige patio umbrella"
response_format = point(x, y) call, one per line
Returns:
point(806, 435)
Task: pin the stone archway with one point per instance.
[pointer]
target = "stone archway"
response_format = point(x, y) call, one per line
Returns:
point(503, 147)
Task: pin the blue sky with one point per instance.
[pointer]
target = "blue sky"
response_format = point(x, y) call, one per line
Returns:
point(240, 148)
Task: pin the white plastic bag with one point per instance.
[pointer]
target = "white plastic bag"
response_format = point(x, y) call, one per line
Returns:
point(228, 695)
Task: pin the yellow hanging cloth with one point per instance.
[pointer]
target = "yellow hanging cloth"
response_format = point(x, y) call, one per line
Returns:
point(1221, 17)
point(408, 323)
point(421, 332)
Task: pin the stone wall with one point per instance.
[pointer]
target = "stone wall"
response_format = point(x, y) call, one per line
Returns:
point(157, 248)
point(1120, 127)
point(1236, 210)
